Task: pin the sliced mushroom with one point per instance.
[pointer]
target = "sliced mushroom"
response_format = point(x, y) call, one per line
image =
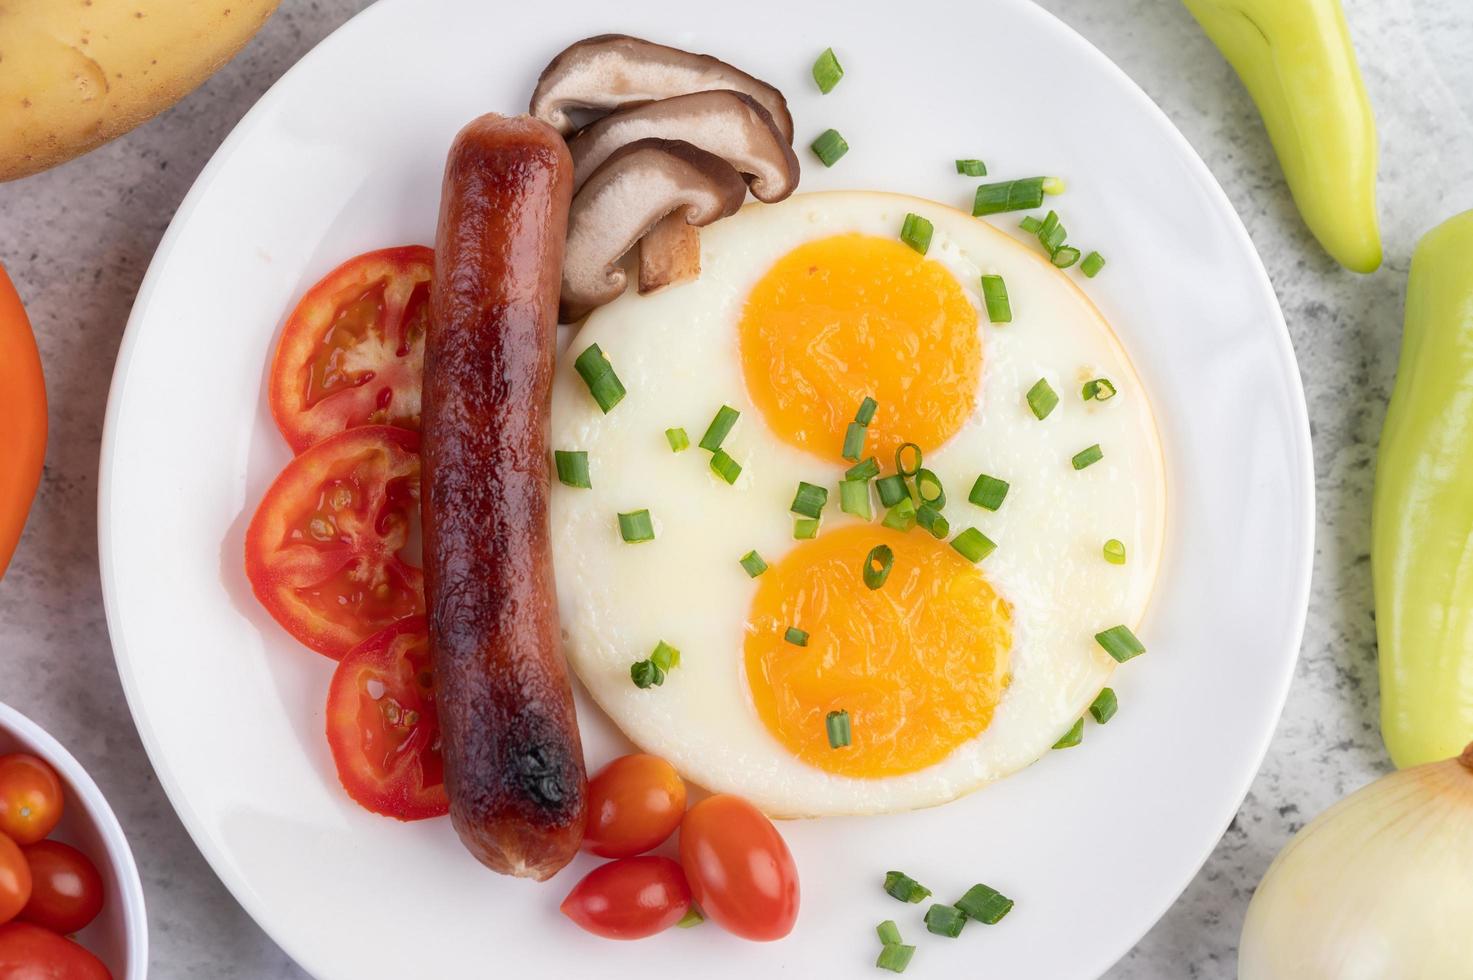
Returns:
point(637, 186)
point(670, 252)
point(615, 70)
point(727, 123)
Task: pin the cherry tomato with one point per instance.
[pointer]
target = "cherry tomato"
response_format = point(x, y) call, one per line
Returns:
point(382, 726)
point(22, 418)
point(352, 352)
point(30, 798)
point(634, 803)
point(323, 551)
point(66, 890)
point(740, 871)
point(630, 898)
point(28, 952)
point(15, 880)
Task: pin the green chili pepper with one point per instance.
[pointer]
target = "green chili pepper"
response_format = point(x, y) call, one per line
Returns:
point(1295, 59)
point(1422, 512)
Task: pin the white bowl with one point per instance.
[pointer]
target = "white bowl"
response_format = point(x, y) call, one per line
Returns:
point(119, 935)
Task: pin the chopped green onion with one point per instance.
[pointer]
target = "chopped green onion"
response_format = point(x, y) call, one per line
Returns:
point(945, 920)
point(888, 932)
point(809, 500)
point(805, 528)
point(916, 231)
point(725, 467)
point(1053, 185)
point(1114, 551)
point(900, 466)
point(596, 371)
point(973, 545)
point(795, 636)
point(692, 917)
point(1041, 399)
point(636, 526)
point(1066, 256)
point(1072, 737)
point(1088, 457)
point(1104, 706)
point(905, 888)
point(572, 468)
point(892, 490)
point(837, 723)
point(679, 441)
point(665, 656)
point(865, 469)
point(1097, 389)
point(1120, 643)
point(988, 492)
point(866, 413)
point(929, 488)
point(1092, 264)
point(995, 295)
point(827, 71)
point(646, 674)
point(971, 168)
point(932, 520)
point(895, 957)
point(854, 441)
point(829, 147)
point(901, 517)
point(754, 564)
point(720, 428)
point(1030, 224)
point(986, 905)
point(877, 565)
point(1049, 223)
point(1008, 195)
point(854, 499)
point(1052, 239)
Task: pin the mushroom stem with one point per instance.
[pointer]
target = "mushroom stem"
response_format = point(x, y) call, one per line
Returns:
point(669, 253)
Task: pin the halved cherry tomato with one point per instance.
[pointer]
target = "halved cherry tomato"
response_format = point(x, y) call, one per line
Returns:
point(352, 352)
point(15, 880)
point(28, 952)
point(30, 798)
point(66, 890)
point(382, 726)
point(740, 871)
point(630, 898)
point(323, 551)
point(634, 803)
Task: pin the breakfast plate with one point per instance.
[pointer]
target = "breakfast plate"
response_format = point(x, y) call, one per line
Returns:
point(346, 154)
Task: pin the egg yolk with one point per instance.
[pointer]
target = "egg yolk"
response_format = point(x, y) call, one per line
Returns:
point(842, 318)
point(918, 663)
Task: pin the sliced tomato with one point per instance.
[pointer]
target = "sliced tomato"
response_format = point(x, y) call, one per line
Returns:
point(324, 550)
point(352, 352)
point(382, 726)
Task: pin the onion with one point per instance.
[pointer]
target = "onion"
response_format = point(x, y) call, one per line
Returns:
point(1380, 885)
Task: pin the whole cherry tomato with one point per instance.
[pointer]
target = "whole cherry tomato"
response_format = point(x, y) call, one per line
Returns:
point(741, 873)
point(634, 803)
point(630, 898)
point(28, 952)
point(30, 798)
point(66, 890)
point(15, 880)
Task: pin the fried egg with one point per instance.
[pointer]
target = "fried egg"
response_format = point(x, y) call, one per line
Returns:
point(952, 673)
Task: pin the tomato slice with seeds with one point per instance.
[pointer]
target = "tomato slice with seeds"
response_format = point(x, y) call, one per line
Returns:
point(324, 552)
point(352, 352)
point(382, 726)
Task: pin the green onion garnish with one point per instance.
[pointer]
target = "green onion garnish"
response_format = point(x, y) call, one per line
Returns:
point(837, 723)
point(795, 636)
point(1088, 457)
point(805, 528)
point(596, 371)
point(854, 499)
point(901, 517)
point(1097, 389)
point(1008, 195)
point(854, 441)
point(1114, 551)
point(829, 147)
point(988, 492)
point(866, 413)
point(754, 564)
point(929, 488)
point(1092, 264)
point(720, 428)
point(679, 441)
point(1120, 643)
point(895, 957)
point(665, 656)
point(809, 500)
point(1049, 223)
point(888, 932)
point(725, 467)
point(945, 920)
point(865, 469)
point(827, 71)
point(1104, 706)
point(1041, 399)
point(636, 526)
point(692, 917)
point(1030, 224)
point(995, 295)
point(915, 231)
point(877, 565)
point(1052, 238)
point(892, 490)
point(932, 520)
point(1053, 185)
point(1066, 256)
point(646, 674)
point(1072, 737)
point(986, 905)
point(971, 168)
point(905, 888)
point(973, 545)
point(900, 466)
point(572, 468)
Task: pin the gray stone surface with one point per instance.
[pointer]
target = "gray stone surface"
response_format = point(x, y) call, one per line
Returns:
point(78, 239)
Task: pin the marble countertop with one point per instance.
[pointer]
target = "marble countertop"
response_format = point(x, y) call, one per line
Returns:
point(78, 239)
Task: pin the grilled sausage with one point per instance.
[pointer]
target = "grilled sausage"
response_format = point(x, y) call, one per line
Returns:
point(513, 758)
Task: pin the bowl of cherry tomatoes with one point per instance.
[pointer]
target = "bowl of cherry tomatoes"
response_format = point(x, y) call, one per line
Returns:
point(71, 902)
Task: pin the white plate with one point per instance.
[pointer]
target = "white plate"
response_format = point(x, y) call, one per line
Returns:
point(345, 154)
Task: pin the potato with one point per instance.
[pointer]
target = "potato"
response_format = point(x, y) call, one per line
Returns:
point(76, 73)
